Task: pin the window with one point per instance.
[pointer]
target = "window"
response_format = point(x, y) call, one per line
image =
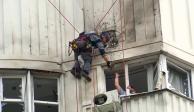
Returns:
point(179, 79)
point(152, 74)
point(12, 95)
point(110, 77)
point(138, 78)
point(45, 95)
point(29, 92)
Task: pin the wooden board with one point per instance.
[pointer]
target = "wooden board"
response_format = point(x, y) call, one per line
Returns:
point(67, 11)
point(1, 28)
point(98, 7)
point(59, 43)
point(191, 20)
point(16, 26)
point(25, 27)
point(89, 15)
point(108, 21)
point(129, 24)
point(8, 27)
point(157, 19)
point(71, 93)
point(149, 19)
point(43, 26)
point(51, 21)
point(139, 20)
point(34, 28)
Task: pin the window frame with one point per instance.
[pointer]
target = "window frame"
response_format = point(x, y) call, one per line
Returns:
point(160, 65)
point(13, 100)
point(45, 102)
point(148, 61)
point(27, 84)
point(149, 67)
point(185, 70)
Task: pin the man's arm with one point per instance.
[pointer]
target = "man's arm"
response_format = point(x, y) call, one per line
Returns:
point(102, 53)
point(98, 43)
point(117, 85)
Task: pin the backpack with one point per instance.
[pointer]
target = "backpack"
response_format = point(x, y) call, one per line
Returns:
point(80, 43)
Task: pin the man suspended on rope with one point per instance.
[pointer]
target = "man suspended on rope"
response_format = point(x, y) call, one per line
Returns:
point(82, 47)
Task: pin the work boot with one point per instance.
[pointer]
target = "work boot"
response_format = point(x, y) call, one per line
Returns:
point(75, 73)
point(86, 76)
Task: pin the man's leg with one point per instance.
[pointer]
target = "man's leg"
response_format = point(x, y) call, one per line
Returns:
point(75, 71)
point(87, 58)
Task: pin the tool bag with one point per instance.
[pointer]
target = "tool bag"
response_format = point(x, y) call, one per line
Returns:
point(81, 43)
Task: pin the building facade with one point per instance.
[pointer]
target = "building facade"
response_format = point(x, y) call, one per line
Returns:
point(155, 36)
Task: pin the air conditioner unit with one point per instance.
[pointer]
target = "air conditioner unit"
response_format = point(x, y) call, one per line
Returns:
point(107, 102)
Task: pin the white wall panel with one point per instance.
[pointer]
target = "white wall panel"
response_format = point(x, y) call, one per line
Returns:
point(8, 25)
point(177, 23)
point(1, 28)
point(136, 19)
point(33, 30)
point(25, 27)
point(191, 19)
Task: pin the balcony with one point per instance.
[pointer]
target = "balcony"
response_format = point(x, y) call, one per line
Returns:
point(158, 101)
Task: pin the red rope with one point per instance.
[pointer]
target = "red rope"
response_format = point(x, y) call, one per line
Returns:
point(105, 14)
point(63, 16)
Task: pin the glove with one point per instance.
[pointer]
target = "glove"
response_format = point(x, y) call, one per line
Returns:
point(109, 64)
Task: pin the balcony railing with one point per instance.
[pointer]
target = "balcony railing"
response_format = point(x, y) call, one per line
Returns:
point(158, 101)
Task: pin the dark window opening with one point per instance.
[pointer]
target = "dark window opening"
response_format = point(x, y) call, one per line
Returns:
point(45, 89)
point(12, 107)
point(45, 108)
point(12, 88)
point(138, 79)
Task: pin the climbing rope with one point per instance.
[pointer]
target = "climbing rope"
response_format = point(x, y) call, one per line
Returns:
point(64, 16)
point(96, 28)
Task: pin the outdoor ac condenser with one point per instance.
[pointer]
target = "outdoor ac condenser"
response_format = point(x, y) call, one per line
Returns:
point(107, 102)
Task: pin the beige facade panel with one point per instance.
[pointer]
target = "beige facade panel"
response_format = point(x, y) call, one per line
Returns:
point(33, 30)
point(28, 27)
point(178, 24)
point(161, 101)
point(137, 20)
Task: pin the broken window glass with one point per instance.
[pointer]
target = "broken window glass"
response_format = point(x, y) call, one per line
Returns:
point(45, 108)
point(178, 80)
point(12, 107)
point(45, 89)
point(12, 88)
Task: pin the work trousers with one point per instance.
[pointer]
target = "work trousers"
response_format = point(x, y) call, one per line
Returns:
point(87, 61)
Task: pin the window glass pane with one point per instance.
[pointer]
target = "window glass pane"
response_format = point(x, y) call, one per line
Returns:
point(46, 108)
point(12, 107)
point(12, 87)
point(45, 89)
point(178, 80)
point(138, 79)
